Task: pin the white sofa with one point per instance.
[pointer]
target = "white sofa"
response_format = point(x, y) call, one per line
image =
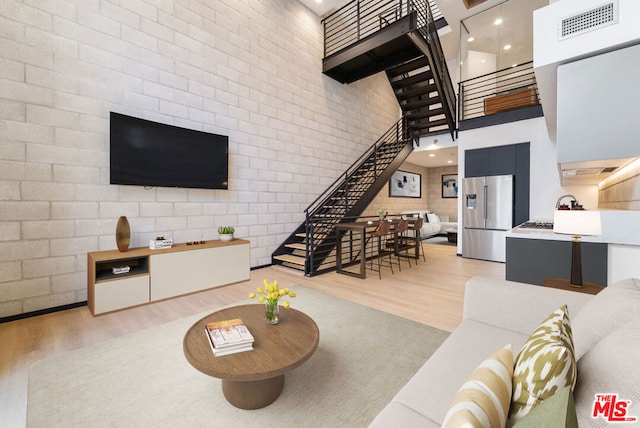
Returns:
point(606, 335)
point(432, 224)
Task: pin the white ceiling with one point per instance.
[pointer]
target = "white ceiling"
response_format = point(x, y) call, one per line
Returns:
point(454, 11)
point(323, 6)
point(434, 158)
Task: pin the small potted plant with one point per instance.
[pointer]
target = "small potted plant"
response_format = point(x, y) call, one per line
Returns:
point(226, 233)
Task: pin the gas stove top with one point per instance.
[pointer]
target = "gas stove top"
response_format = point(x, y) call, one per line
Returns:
point(545, 225)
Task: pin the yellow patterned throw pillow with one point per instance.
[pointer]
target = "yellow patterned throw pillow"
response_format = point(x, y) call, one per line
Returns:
point(546, 364)
point(483, 400)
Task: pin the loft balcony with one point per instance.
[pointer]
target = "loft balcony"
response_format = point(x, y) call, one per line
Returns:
point(366, 37)
point(507, 95)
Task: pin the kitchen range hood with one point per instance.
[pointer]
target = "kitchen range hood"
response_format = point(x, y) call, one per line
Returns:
point(589, 172)
point(586, 57)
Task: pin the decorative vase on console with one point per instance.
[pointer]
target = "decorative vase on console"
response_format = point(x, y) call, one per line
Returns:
point(123, 234)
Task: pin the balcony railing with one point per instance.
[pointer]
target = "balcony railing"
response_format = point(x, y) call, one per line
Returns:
point(361, 18)
point(503, 90)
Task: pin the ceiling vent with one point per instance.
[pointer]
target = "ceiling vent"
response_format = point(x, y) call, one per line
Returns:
point(581, 171)
point(590, 20)
point(587, 171)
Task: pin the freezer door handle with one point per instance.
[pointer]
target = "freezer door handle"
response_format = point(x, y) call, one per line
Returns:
point(485, 190)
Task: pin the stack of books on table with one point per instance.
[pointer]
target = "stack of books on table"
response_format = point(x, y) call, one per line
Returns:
point(229, 337)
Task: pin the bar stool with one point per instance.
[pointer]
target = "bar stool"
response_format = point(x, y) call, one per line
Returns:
point(417, 225)
point(399, 243)
point(380, 235)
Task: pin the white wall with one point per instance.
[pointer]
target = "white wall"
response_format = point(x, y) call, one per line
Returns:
point(250, 70)
point(549, 49)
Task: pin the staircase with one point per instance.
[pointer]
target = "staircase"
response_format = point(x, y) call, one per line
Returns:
point(399, 37)
point(362, 38)
point(311, 247)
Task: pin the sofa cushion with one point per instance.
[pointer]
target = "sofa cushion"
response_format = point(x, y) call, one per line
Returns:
point(545, 364)
point(610, 367)
point(612, 307)
point(433, 218)
point(484, 399)
point(431, 390)
point(559, 410)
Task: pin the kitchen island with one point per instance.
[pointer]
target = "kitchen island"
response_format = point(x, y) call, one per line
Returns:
point(534, 255)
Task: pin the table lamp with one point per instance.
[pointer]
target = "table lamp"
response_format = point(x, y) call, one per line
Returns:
point(577, 223)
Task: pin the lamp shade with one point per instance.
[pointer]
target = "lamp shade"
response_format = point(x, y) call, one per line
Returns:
point(577, 222)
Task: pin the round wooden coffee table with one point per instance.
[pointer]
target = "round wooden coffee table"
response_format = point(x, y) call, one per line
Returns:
point(254, 379)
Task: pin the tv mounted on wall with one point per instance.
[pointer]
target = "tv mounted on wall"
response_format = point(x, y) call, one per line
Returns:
point(146, 153)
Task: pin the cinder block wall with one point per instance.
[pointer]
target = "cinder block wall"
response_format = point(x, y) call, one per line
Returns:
point(431, 198)
point(438, 204)
point(396, 205)
point(250, 70)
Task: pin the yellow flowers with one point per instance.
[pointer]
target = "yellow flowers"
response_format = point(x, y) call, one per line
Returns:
point(272, 294)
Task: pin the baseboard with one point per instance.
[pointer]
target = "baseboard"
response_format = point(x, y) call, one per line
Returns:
point(42, 312)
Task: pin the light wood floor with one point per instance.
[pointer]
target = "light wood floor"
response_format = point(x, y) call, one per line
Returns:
point(429, 293)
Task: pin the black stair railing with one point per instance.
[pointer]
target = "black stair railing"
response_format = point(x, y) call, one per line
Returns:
point(344, 197)
point(361, 18)
point(428, 29)
point(507, 89)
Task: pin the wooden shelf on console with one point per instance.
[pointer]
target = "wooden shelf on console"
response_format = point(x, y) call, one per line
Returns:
point(161, 274)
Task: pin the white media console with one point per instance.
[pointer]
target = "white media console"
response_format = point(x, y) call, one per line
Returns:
point(151, 275)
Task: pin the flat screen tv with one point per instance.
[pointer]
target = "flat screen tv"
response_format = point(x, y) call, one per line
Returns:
point(146, 153)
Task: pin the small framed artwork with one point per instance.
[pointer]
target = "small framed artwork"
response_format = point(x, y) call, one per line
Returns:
point(404, 184)
point(449, 185)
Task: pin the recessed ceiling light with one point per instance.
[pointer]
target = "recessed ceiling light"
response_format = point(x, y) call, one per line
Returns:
point(497, 21)
point(507, 47)
point(483, 61)
point(432, 155)
point(471, 39)
point(514, 65)
point(449, 161)
point(318, 1)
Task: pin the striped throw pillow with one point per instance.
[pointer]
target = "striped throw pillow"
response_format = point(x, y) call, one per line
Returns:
point(545, 364)
point(484, 399)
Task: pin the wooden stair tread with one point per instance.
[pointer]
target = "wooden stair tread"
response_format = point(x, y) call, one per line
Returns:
point(297, 246)
point(290, 259)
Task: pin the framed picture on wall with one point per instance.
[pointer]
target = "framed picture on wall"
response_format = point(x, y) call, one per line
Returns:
point(404, 184)
point(449, 185)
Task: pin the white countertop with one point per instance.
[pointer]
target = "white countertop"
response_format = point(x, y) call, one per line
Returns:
point(547, 234)
point(618, 227)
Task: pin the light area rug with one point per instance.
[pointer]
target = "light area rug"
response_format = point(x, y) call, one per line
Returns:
point(438, 240)
point(143, 379)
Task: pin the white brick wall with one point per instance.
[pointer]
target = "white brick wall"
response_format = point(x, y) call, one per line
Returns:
point(249, 70)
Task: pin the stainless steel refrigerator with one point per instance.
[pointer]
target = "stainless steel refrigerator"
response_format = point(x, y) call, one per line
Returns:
point(487, 215)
